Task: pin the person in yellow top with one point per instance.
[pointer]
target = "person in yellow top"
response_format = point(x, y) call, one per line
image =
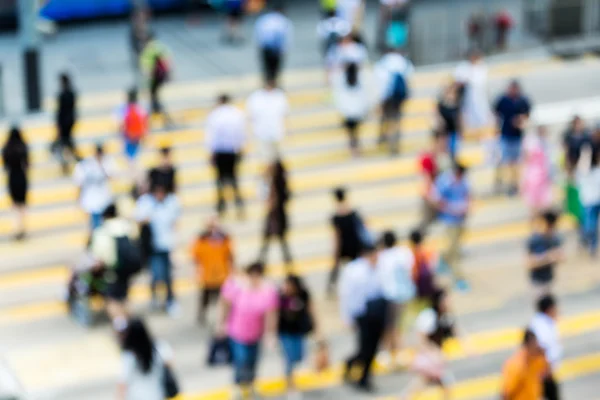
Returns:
point(213, 255)
point(524, 372)
point(156, 67)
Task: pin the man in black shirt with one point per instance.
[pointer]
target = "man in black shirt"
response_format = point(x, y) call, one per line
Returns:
point(164, 173)
point(66, 116)
point(574, 140)
point(544, 252)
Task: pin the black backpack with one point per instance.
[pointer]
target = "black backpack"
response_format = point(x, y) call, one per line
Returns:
point(129, 257)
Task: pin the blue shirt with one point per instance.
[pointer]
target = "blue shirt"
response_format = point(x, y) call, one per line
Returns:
point(508, 108)
point(359, 284)
point(454, 194)
point(274, 32)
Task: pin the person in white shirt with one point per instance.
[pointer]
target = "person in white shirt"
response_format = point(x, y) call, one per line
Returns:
point(92, 177)
point(545, 328)
point(352, 96)
point(393, 72)
point(268, 109)
point(589, 194)
point(395, 269)
point(226, 137)
point(472, 76)
point(331, 30)
point(349, 50)
point(160, 210)
point(352, 11)
point(364, 306)
point(274, 33)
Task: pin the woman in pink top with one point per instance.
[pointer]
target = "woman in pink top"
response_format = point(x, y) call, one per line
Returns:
point(250, 305)
point(536, 184)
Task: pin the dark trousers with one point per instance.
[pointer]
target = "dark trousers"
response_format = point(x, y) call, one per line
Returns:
point(160, 267)
point(206, 297)
point(64, 142)
point(272, 61)
point(226, 168)
point(551, 391)
point(285, 248)
point(156, 104)
point(352, 125)
point(389, 129)
point(371, 328)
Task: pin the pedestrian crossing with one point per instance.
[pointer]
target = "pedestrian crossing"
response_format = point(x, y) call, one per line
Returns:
point(385, 189)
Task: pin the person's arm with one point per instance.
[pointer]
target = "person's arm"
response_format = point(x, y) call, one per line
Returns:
point(313, 316)
point(512, 380)
point(121, 391)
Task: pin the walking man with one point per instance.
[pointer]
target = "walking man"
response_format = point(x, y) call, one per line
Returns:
point(364, 307)
point(452, 196)
point(226, 136)
point(66, 117)
point(273, 34)
point(544, 253)
point(545, 328)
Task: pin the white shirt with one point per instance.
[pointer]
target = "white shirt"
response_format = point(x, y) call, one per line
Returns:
point(225, 129)
point(104, 246)
point(348, 53)
point(274, 31)
point(395, 271)
point(163, 216)
point(589, 187)
point(546, 332)
point(348, 10)
point(147, 386)
point(359, 284)
point(93, 178)
point(352, 102)
point(390, 65)
point(333, 26)
point(268, 110)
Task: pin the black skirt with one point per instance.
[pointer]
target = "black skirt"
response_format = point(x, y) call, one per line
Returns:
point(17, 186)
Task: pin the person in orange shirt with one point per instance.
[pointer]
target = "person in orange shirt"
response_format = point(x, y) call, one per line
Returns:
point(213, 254)
point(524, 372)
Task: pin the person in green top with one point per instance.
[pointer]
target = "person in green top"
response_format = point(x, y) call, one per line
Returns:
point(328, 6)
point(154, 63)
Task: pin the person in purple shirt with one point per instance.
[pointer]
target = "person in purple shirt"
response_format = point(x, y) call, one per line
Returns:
point(512, 110)
point(452, 195)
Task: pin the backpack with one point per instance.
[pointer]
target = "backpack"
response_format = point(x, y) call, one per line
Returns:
point(399, 91)
point(129, 257)
point(161, 69)
point(135, 124)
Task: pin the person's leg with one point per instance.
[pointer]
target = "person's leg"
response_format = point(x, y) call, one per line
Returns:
point(168, 275)
point(361, 335)
point(239, 200)
point(395, 135)
point(551, 391)
point(21, 215)
point(285, 249)
point(333, 276)
point(154, 101)
point(454, 235)
point(219, 182)
point(155, 270)
point(429, 214)
point(375, 332)
point(252, 363)
point(590, 222)
point(264, 248)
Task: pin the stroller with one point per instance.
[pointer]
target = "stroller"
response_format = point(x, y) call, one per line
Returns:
point(86, 291)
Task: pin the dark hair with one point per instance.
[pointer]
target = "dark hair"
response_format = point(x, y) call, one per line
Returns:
point(528, 337)
point(65, 80)
point(15, 147)
point(99, 149)
point(137, 340)
point(330, 14)
point(352, 74)
point(546, 303)
point(280, 181)
point(368, 248)
point(340, 194)
point(459, 168)
point(297, 283)
point(257, 268)
point(436, 301)
point(388, 239)
point(416, 237)
point(165, 151)
point(224, 99)
point(550, 218)
point(15, 139)
point(110, 212)
point(132, 96)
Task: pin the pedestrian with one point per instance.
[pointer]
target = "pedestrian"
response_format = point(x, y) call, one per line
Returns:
point(575, 140)
point(432, 164)
point(249, 315)
point(523, 372)
point(512, 110)
point(156, 66)
point(15, 158)
point(92, 176)
point(226, 137)
point(139, 33)
point(112, 246)
point(452, 195)
point(545, 328)
point(595, 142)
point(544, 253)
point(133, 120)
point(363, 307)
point(450, 118)
point(353, 12)
point(389, 13)
point(423, 271)
point(472, 77)
point(393, 72)
point(328, 7)
point(161, 210)
point(435, 326)
point(165, 173)
point(274, 36)
point(276, 221)
point(395, 268)
point(235, 10)
point(351, 91)
point(66, 117)
point(476, 26)
point(536, 179)
point(503, 23)
point(296, 321)
point(212, 252)
point(268, 110)
point(589, 192)
point(143, 362)
point(347, 242)
point(331, 30)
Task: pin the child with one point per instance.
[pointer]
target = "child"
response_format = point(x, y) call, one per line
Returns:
point(536, 182)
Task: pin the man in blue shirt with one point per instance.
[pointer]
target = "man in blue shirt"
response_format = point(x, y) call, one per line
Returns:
point(452, 195)
point(512, 110)
point(273, 34)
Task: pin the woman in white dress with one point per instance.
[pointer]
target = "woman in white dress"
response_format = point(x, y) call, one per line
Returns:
point(142, 364)
point(472, 75)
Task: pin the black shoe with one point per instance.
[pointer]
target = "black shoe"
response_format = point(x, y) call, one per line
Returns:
point(366, 387)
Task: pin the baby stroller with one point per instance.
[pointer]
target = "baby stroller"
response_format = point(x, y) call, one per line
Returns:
point(86, 291)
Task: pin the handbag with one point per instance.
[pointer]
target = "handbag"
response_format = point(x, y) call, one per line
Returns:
point(169, 382)
point(219, 352)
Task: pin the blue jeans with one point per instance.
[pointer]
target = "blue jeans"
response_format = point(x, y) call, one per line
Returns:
point(511, 150)
point(590, 226)
point(293, 349)
point(453, 144)
point(95, 220)
point(160, 266)
point(245, 359)
point(131, 149)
